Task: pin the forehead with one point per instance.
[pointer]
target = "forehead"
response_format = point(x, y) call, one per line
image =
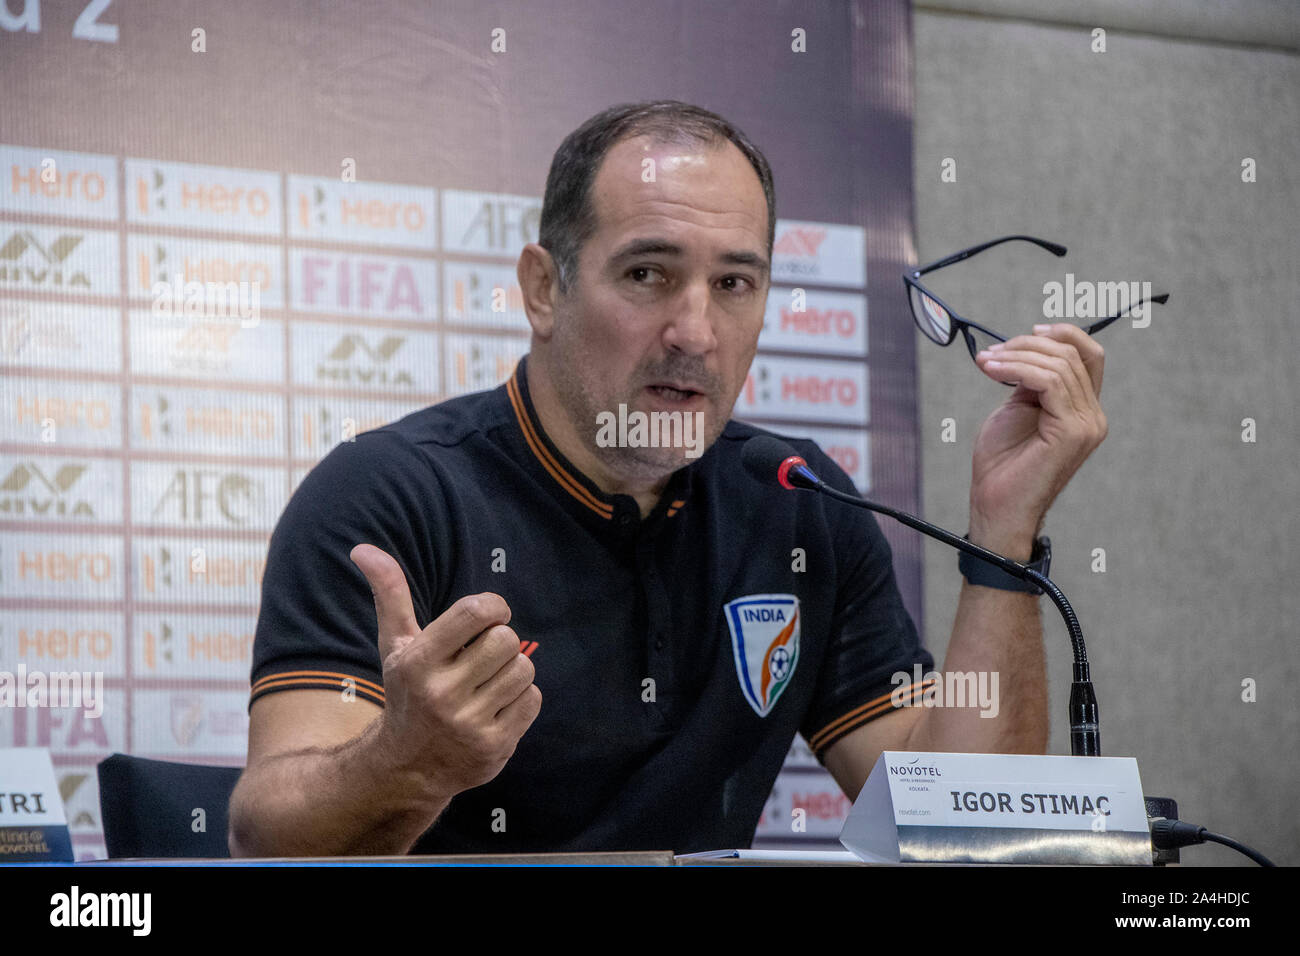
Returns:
point(698, 190)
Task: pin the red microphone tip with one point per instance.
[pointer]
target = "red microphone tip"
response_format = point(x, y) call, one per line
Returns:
point(784, 470)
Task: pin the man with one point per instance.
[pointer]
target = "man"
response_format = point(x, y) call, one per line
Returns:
point(501, 546)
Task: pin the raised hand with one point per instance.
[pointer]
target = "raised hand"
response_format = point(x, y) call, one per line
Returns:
point(458, 693)
point(1031, 446)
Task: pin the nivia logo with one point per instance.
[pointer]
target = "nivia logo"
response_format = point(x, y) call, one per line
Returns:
point(27, 489)
point(29, 262)
point(765, 644)
point(349, 345)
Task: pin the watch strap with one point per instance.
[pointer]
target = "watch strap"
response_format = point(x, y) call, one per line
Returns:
point(980, 572)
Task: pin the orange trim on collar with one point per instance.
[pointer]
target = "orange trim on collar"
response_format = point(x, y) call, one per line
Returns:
point(553, 467)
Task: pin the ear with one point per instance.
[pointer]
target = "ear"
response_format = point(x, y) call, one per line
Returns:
point(539, 282)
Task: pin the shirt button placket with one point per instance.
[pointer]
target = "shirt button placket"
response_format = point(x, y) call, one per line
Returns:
point(659, 656)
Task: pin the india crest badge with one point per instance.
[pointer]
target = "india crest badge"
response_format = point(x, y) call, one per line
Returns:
point(765, 642)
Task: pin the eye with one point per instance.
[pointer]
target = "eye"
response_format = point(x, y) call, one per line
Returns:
point(637, 272)
point(748, 286)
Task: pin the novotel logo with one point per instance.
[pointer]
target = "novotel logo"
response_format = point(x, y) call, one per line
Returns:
point(910, 771)
point(763, 614)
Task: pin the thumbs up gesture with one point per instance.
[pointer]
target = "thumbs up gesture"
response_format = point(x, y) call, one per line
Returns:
point(458, 693)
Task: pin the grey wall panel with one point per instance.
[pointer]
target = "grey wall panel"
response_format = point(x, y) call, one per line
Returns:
point(1133, 159)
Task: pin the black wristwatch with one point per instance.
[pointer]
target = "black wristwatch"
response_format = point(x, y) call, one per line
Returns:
point(991, 576)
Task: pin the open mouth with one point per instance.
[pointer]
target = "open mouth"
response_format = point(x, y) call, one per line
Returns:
point(673, 394)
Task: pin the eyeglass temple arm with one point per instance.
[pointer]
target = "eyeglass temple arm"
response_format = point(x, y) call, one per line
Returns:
point(1162, 298)
point(1054, 248)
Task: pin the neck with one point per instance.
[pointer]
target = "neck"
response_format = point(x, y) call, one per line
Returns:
point(559, 429)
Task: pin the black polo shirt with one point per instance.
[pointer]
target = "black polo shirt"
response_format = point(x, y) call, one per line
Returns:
point(677, 655)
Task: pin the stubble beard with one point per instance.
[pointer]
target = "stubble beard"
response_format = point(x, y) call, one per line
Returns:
point(582, 407)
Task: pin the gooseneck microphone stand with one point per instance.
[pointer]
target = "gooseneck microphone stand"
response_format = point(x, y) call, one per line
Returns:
point(766, 457)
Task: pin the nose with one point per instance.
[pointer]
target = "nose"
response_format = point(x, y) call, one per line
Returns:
point(690, 330)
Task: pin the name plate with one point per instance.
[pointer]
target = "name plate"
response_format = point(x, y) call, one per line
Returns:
point(1000, 808)
point(32, 825)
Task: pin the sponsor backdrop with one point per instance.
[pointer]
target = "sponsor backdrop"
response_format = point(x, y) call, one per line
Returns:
point(359, 178)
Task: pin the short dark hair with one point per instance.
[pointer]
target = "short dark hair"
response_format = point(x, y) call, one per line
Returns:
point(568, 219)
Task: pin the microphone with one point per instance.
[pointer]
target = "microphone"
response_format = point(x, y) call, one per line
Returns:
point(766, 457)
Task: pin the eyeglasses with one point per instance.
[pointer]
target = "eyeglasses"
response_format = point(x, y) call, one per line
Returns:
point(941, 324)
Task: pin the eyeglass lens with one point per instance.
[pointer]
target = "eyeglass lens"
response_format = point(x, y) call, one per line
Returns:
point(934, 319)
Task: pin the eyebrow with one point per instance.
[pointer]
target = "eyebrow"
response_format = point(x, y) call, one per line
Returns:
point(662, 247)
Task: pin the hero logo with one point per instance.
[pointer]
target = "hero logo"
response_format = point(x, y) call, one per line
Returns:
point(60, 644)
point(472, 294)
point(322, 428)
point(157, 646)
point(808, 389)
point(210, 421)
point(314, 210)
point(156, 268)
point(841, 322)
point(24, 260)
point(156, 573)
point(819, 390)
point(473, 367)
point(59, 183)
point(71, 412)
point(81, 567)
point(209, 198)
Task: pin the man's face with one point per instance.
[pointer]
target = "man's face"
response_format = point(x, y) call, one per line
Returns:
point(669, 299)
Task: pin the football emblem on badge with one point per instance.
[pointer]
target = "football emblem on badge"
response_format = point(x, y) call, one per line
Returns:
point(765, 643)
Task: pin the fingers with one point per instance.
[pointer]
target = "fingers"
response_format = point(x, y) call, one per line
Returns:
point(518, 716)
point(494, 649)
point(447, 634)
point(1092, 354)
point(1054, 371)
point(502, 688)
point(393, 608)
point(461, 624)
point(1050, 368)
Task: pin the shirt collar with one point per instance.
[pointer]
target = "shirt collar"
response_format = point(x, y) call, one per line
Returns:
point(578, 491)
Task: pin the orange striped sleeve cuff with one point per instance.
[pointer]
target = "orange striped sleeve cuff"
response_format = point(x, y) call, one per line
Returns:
point(317, 680)
point(884, 704)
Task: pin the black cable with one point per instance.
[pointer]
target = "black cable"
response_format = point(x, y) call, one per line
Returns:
point(1171, 834)
point(1255, 855)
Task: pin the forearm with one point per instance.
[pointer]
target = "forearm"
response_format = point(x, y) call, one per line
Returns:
point(998, 637)
point(345, 800)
